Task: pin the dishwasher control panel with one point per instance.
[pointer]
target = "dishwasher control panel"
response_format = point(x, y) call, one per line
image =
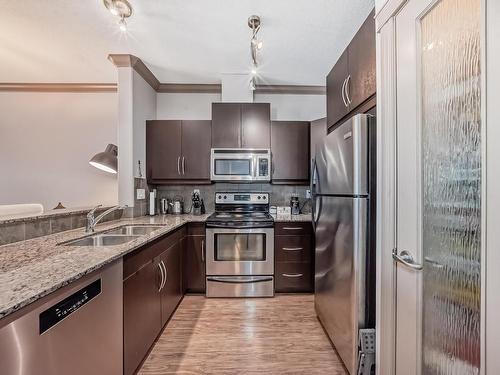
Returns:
point(68, 306)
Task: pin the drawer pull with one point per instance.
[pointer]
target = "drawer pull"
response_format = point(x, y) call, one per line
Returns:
point(293, 248)
point(293, 274)
point(292, 228)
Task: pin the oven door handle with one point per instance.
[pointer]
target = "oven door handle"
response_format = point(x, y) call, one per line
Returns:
point(239, 279)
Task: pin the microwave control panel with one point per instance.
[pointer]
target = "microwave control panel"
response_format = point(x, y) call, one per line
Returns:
point(263, 167)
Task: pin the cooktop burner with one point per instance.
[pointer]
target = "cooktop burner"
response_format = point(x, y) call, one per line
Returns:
point(249, 209)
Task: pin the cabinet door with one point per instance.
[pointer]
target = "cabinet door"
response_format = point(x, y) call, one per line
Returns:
point(196, 145)
point(194, 264)
point(336, 107)
point(362, 83)
point(171, 294)
point(163, 149)
point(290, 150)
point(256, 125)
point(141, 315)
point(226, 125)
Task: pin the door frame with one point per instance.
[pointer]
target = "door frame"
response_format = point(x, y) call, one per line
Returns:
point(387, 185)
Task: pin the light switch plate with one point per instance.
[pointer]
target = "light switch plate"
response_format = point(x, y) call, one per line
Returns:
point(308, 193)
point(141, 193)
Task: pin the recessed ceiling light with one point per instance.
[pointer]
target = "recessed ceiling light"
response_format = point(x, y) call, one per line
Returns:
point(121, 9)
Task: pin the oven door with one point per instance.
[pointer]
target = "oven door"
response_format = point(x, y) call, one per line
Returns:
point(241, 252)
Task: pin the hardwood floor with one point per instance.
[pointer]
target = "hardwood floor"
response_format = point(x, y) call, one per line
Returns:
point(278, 335)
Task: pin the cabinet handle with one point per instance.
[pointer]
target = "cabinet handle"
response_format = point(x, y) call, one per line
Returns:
point(347, 89)
point(178, 165)
point(343, 92)
point(165, 268)
point(293, 248)
point(292, 228)
point(183, 165)
point(292, 274)
point(202, 251)
point(162, 276)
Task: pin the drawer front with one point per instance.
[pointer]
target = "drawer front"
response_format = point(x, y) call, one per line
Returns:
point(293, 277)
point(292, 228)
point(196, 229)
point(292, 249)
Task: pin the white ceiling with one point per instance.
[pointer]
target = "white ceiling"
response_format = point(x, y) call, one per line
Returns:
point(181, 41)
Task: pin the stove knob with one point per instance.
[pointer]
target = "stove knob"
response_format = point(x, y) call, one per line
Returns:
point(258, 197)
point(220, 196)
point(225, 197)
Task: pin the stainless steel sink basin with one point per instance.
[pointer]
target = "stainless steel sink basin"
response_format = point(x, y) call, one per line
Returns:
point(101, 240)
point(134, 230)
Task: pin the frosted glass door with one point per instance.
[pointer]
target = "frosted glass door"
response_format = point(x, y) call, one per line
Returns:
point(449, 40)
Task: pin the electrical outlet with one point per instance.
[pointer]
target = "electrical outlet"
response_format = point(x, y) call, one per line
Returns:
point(141, 193)
point(308, 193)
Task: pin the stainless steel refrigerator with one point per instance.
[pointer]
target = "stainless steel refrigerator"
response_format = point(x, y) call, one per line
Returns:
point(344, 217)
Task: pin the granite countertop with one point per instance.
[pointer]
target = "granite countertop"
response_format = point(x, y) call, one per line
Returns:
point(34, 268)
point(20, 218)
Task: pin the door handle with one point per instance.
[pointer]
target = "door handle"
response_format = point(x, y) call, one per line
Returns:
point(346, 88)
point(162, 277)
point(183, 165)
point(292, 274)
point(343, 92)
point(293, 248)
point(406, 259)
point(202, 251)
point(178, 165)
point(165, 269)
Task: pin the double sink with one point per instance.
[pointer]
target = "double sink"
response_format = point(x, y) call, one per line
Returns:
point(116, 236)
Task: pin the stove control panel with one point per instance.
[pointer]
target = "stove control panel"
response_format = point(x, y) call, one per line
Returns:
point(242, 198)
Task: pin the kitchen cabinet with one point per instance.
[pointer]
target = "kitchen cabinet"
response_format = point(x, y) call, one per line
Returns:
point(194, 259)
point(352, 80)
point(226, 125)
point(178, 151)
point(241, 125)
point(337, 106)
point(294, 257)
point(147, 305)
point(290, 142)
point(171, 292)
point(256, 125)
point(141, 315)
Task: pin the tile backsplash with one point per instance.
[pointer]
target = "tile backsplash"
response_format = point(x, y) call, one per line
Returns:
point(279, 194)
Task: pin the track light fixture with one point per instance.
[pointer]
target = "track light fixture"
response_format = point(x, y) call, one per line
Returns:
point(121, 9)
point(255, 47)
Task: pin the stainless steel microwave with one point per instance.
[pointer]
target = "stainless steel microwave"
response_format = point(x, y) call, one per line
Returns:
point(246, 165)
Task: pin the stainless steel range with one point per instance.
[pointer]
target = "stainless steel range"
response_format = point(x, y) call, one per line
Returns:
point(240, 246)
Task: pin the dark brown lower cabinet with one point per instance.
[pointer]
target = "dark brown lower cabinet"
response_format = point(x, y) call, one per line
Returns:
point(171, 293)
point(294, 258)
point(147, 305)
point(194, 259)
point(141, 315)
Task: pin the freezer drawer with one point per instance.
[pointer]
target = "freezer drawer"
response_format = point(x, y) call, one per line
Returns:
point(341, 249)
point(240, 286)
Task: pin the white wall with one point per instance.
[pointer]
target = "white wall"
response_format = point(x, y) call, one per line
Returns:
point(199, 106)
point(294, 107)
point(46, 141)
point(185, 106)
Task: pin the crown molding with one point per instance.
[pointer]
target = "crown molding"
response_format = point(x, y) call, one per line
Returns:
point(215, 88)
point(58, 87)
point(290, 89)
point(131, 61)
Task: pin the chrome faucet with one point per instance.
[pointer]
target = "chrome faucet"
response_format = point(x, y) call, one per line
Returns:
point(92, 221)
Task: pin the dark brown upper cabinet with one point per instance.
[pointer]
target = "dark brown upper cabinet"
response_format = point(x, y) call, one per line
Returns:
point(178, 151)
point(241, 125)
point(352, 80)
point(290, 143)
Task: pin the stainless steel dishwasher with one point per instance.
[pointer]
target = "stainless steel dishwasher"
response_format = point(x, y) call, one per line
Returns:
point(77, 329)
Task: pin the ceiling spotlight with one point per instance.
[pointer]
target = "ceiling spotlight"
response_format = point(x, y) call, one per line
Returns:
point(259, 45)
point(121, 9)
point(252, 84)
point(122, 24)
point(254, 71)
point(255, 44)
